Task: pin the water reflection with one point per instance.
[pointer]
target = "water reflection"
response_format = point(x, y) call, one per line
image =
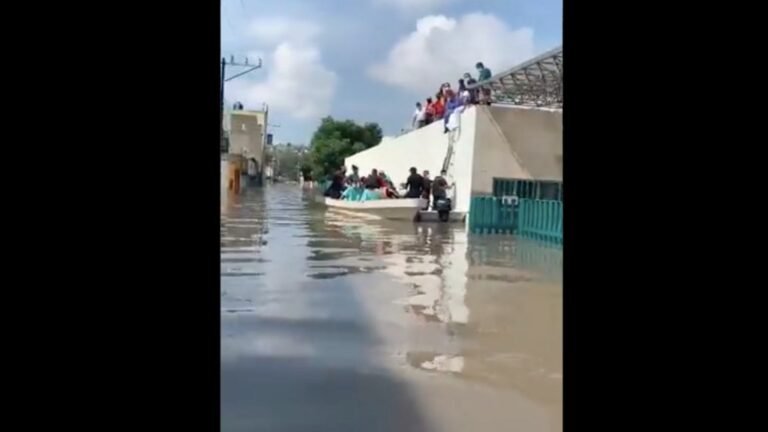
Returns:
point(415, 319)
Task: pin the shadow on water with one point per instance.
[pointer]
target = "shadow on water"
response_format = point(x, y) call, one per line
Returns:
point(298, 351)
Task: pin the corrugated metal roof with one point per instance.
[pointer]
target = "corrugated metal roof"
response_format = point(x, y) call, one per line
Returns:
point(536, 82)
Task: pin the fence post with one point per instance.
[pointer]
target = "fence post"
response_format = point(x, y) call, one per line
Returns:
point(473, 210)
point(496, 215)
point(488, 211)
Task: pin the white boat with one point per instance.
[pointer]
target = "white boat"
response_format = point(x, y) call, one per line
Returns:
point(391, 208)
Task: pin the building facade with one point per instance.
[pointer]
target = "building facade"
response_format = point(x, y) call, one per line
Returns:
point(247, 138)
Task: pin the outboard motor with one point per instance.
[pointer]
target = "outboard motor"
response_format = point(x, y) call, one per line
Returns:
point(443, 207)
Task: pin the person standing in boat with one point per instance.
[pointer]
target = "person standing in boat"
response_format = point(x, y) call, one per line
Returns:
point(337, 184)
point(414, 184)
point(427, 188)
point(354, 178)
point(439, 186)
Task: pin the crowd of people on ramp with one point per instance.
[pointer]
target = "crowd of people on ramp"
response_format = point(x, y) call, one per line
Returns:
point(447, 101)
point(378, 185)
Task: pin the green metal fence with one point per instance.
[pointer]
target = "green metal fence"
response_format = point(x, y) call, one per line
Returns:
point(530, 218)
point(491, 215)
point(531, 189)
point(541, 220)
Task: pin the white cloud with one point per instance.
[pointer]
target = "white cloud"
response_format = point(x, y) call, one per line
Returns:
point(442, 49)
point(275, 30)
point(414, 5)
point(297, 83)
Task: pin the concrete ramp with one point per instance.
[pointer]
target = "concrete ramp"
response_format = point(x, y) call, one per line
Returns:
point(514, 142)
point(425, 149)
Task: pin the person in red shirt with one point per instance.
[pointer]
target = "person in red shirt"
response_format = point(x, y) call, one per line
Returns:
point(382, 179)
point(430, 112)
point(438, 107)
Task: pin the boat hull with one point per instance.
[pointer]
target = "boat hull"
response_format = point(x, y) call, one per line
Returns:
point(393, 209)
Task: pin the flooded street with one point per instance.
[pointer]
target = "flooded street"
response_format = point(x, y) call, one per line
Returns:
point(334, 323)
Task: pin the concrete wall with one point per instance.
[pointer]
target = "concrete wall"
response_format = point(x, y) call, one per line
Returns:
point(424, 148)
point(493, 155)
point(535, 136)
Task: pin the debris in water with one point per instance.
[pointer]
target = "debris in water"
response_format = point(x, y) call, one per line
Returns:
point(444, 363)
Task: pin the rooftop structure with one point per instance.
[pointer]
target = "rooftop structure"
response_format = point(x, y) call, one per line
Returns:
point(537, 82)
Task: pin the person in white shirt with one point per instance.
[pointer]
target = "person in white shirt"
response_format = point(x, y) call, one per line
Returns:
point(418, 116)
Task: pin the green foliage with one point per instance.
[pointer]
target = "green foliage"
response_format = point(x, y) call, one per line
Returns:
point(287, 160)
point(306, 170)
point(335, 140)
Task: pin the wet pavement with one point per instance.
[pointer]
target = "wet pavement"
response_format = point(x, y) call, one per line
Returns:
point(334, 323)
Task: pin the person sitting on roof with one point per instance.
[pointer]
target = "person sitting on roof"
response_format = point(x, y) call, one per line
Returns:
point(417, 120)
point(468, 80)
point(453, 105)
point(463, 92)
point(438, 107)
point(445, 90)
point(429, 112)
point(483, 74)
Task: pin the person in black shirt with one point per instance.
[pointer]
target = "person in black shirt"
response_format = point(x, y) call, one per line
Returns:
point(337, 185)
point(415, 184)
point(372, 180)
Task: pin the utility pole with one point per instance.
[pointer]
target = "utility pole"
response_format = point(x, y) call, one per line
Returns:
point(224, 64)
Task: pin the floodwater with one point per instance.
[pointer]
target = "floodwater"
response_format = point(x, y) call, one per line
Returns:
point(334, 323)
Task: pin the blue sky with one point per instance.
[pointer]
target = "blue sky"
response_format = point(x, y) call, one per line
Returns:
point(371, 60)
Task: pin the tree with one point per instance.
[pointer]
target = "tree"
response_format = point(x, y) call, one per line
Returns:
point(286, 160)
point(288, 163)
point(335, 140)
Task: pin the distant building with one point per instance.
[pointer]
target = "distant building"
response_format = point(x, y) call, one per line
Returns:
point(248, 138)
